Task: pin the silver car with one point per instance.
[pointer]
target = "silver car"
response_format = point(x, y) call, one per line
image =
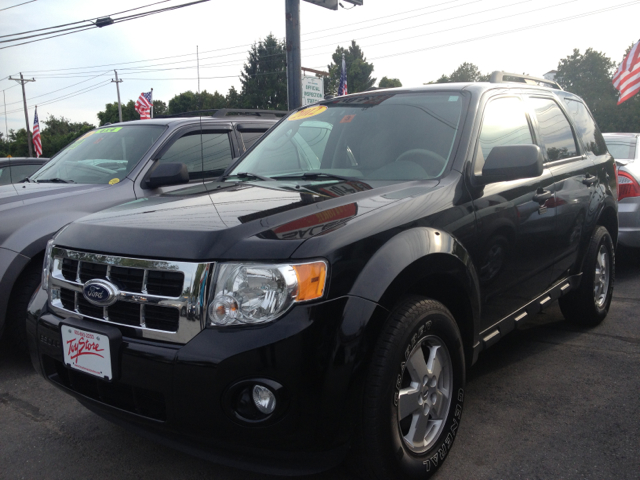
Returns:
point(625, 149)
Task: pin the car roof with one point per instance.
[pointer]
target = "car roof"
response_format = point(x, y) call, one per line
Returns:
point(21, 160)
point(477, 88)
point(227, 116)
point(620, 134)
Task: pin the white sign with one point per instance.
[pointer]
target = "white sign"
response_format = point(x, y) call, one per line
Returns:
point(312, 90)
point(86, 351)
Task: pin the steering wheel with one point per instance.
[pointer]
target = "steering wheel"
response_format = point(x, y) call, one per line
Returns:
point(432, 162)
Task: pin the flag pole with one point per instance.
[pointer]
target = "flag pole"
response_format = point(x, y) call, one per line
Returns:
point(151, 111)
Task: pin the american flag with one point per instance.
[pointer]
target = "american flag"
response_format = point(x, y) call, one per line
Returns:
point(143, 105)
point(627, 78)
point(342, 89)
point(37, 143)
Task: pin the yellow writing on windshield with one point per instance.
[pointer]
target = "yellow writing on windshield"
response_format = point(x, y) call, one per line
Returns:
point(307, 112)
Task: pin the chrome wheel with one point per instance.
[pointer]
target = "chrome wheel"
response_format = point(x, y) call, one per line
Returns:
point(424, 400)
point(602, 277)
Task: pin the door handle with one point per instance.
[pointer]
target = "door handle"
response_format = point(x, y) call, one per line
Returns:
point(589, 180)
point(542, 196)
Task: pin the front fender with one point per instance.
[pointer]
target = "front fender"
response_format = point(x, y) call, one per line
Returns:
point(430, 262)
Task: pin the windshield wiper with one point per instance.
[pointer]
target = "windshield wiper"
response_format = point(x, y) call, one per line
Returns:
point(246, 175)
point(315, 175)
point(54, 180)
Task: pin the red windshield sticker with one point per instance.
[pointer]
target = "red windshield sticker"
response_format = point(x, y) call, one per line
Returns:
point(347, 118)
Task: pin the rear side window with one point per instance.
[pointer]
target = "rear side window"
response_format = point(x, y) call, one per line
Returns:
point(621, 148)
point(249, 138)
point(5, 177)
point(505, 123)
point(555, 129)
point(20, 172)
point(587, 128)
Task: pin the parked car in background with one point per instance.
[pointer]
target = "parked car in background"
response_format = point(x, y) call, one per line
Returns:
point(327, 293)
point(17, 169)
point(105, 167)
point(625, 149)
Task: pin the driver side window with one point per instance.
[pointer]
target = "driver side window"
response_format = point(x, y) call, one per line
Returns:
point(504, 123)
point(206, 154)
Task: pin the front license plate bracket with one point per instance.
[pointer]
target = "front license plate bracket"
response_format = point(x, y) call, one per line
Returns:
point(91, 348)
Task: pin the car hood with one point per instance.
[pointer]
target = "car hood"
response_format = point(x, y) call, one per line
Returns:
point(32, 212)
point(18, 194)
point(243, 222)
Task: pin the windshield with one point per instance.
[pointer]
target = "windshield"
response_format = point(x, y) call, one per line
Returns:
point(376, 137)
point(102, 156)
point(621, 148)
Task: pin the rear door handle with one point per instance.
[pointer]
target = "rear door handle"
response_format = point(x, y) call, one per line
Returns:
point(542, 196)
point(589, 180)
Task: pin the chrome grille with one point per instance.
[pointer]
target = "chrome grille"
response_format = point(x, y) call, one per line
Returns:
point(163, 300)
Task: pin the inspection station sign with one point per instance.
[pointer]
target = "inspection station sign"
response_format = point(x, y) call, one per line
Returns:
point(312, 90)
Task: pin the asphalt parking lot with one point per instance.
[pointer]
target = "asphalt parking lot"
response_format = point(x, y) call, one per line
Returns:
point(550, 401)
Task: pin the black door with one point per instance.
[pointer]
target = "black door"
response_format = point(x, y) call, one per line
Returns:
point(514, 259)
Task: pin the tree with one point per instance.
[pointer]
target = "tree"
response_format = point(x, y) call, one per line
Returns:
point(190, 102)
point(264, 76)
point(159, 107)
point(389, 83)
point(358, 70)
point(234, 99)
point(110, 113)
point(589, 76)
point(466, 72)
point(60, 132)
point(56, 133)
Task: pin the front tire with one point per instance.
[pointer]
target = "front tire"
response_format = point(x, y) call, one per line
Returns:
point(414, 393)
point(589, 304)
point(23, 290)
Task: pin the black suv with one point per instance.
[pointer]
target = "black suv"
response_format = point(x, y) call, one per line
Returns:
point(108, 166)
point(326, 295)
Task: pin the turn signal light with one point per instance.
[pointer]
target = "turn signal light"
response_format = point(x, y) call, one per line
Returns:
point(311, 280)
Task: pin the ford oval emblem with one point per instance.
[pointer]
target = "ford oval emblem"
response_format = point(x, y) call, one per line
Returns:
point(100, 292)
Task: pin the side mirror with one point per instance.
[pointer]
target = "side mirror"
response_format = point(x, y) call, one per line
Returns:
point(165, 174)
point(511, 162)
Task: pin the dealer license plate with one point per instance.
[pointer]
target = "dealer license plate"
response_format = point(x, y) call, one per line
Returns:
point(86, 351)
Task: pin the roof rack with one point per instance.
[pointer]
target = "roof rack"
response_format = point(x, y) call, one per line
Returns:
point(503, 77)
point(229, 112)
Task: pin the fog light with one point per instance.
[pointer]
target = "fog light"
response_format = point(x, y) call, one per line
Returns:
point(264, 399)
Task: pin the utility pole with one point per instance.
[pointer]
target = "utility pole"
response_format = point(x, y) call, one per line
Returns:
point(116, 81)
point(294, 62)
point(151, 109)
point(22, 81)
point(198, 60)
point(6, 131)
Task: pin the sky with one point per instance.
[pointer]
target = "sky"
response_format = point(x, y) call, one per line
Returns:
point(415, 41)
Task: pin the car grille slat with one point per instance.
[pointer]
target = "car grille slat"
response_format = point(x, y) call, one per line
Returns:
point(161, 318)
point(126, 313)
point(129, 279)
point(91, 271)
point(70, 269)
point(165, 283)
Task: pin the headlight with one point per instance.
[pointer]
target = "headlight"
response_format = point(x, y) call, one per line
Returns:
point(258, 293)
point(47, 266)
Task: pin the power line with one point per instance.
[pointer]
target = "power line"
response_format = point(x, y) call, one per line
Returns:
point(505, 32)
point(81, 28)
point(14, 6)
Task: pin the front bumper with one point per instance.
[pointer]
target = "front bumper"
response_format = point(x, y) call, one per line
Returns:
point(179, 394)
point(629, 222)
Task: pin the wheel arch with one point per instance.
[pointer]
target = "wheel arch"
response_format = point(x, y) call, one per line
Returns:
point(608, 218)
point(427, 262)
